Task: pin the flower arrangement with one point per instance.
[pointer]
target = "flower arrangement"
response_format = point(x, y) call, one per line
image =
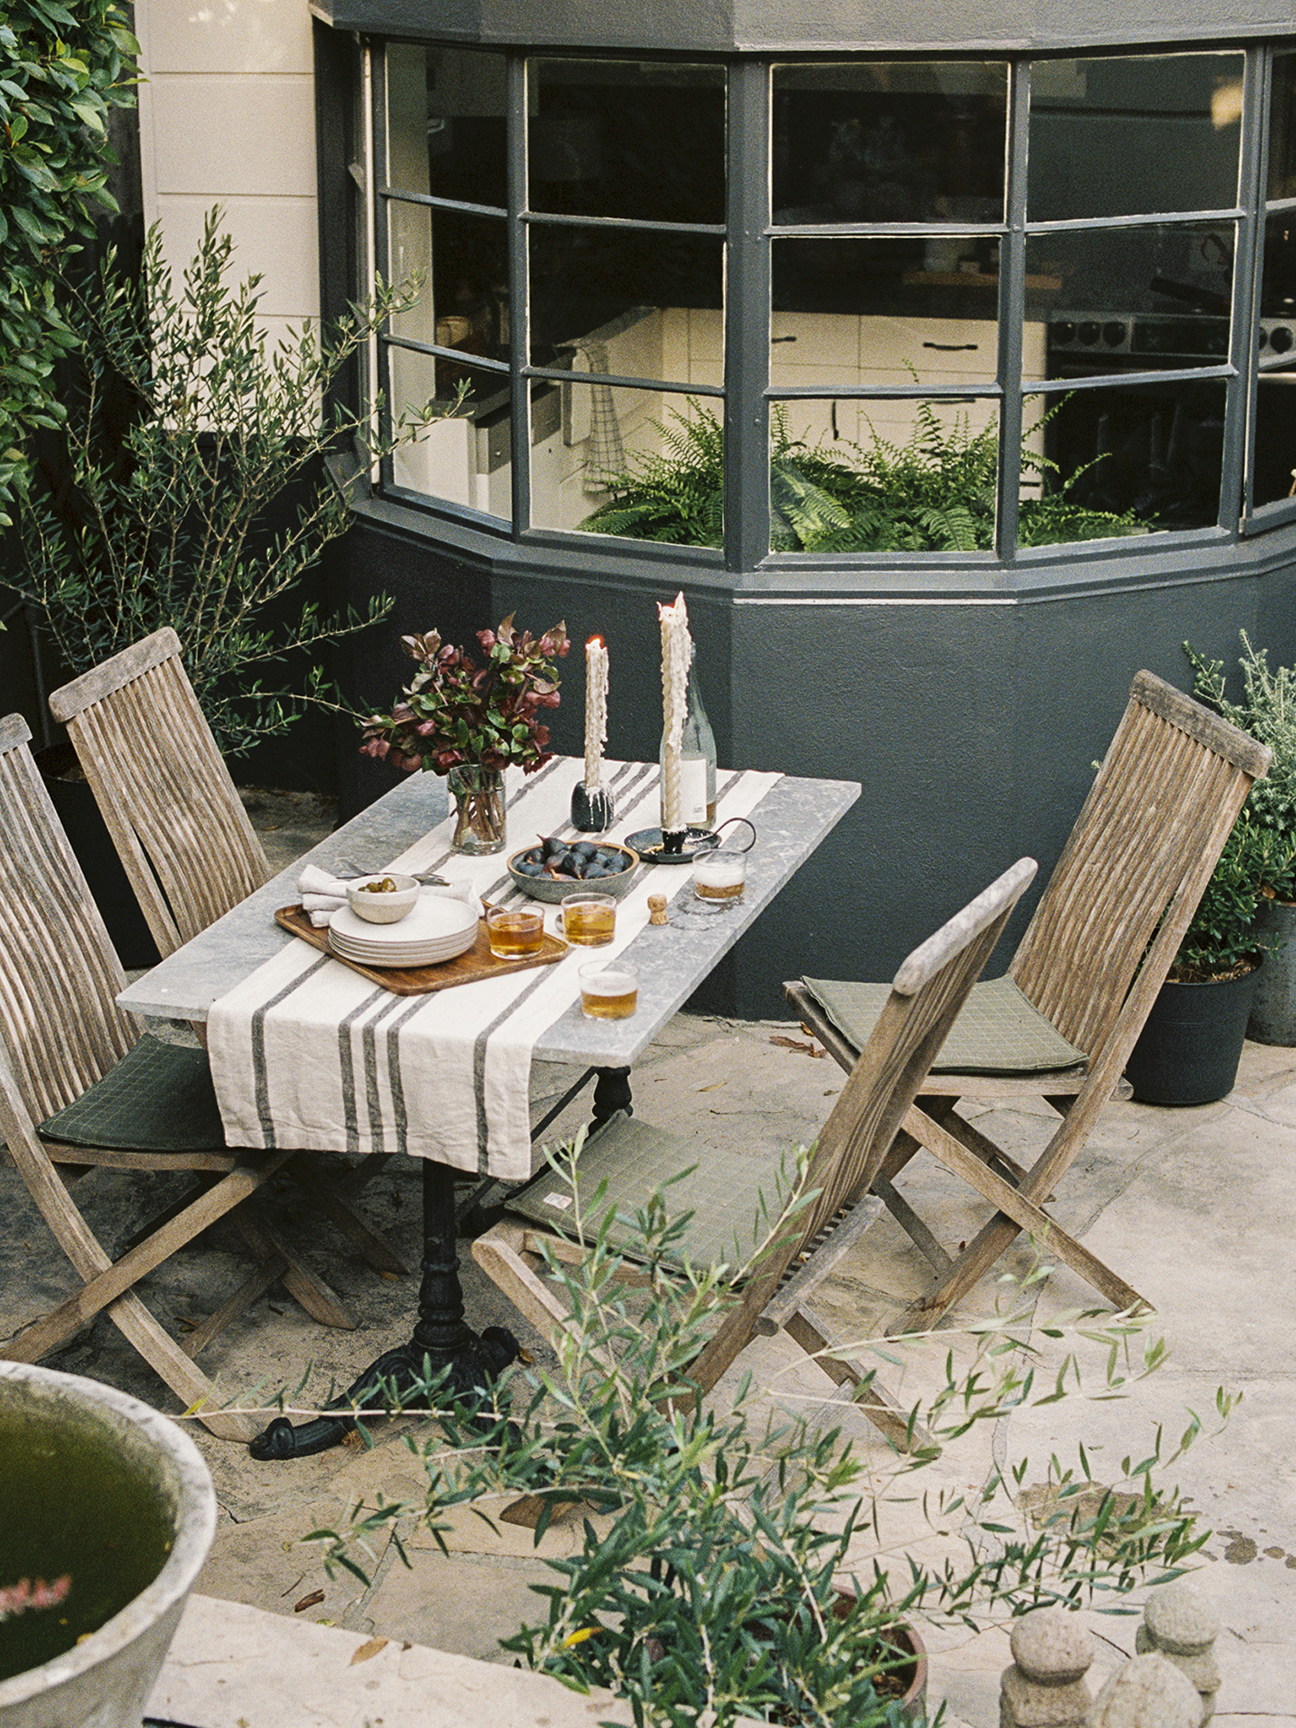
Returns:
point(456, 714)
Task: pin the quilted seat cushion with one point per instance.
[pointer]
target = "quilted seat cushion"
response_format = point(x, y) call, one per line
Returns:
point(159, 1098)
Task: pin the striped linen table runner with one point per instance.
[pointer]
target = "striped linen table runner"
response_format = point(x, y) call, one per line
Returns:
point(307, 1053)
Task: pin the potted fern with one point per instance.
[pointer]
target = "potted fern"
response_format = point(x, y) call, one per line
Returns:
point(1267, 711)
point(934, 493)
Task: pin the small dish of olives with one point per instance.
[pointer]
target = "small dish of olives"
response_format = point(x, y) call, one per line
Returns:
point(383, 898)
point(556, 867)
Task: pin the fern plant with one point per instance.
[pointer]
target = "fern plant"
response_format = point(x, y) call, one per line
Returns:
point(933, 493)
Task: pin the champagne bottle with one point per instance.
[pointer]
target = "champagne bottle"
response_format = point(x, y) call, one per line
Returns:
point(697, 763)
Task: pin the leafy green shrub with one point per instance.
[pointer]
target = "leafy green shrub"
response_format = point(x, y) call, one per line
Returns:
point(62, 69)
point(1221, 940)
point(934, 493)
point(187, 430)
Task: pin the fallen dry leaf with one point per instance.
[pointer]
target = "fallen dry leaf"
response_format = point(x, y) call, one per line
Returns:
point(364, 1651)
point(794, 1044)
point(308, 1601)
point(713, 1087)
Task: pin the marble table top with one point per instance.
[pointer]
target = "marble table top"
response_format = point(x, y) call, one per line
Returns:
point(672, 960)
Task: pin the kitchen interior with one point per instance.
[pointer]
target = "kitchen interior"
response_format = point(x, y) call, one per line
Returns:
point(917, 145)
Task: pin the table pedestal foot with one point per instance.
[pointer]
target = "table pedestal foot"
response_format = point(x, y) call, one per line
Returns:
point(441, 1344)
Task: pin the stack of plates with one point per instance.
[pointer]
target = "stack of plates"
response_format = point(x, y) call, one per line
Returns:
point(436, 929)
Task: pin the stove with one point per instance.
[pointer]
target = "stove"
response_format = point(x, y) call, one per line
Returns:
point(1185, 338)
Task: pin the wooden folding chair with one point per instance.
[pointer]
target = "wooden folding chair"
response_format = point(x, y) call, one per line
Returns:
point(1087, 971)
point(189, 851)
point(728, 1194)
point(80, 1087)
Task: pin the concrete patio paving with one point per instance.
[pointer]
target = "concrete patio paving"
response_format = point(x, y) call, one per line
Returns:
point(1196, 1207)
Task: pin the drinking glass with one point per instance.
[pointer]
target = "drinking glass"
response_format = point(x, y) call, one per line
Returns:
point(588, 920)
point(609, 990)
point(514, 934)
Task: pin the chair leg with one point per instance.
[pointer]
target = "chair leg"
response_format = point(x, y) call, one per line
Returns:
point(329, 1198)
point(1017, 1210)
point(870, 1396)
point(310, 1290)
point(89, 1258)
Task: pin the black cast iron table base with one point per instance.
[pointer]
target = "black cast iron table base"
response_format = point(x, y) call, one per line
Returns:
point(442, 1344)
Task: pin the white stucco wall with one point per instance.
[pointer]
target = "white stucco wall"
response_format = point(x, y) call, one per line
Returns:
point(227, 116)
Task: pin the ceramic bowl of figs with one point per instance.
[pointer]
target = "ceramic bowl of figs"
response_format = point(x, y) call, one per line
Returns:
point(554, 867)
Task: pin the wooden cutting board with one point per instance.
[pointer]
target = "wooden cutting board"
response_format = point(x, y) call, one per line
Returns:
point(467, 968)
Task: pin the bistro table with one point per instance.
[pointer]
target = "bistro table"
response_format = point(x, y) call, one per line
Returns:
point(791, 818)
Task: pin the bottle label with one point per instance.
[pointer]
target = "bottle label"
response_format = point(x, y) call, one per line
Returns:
point(693, 791)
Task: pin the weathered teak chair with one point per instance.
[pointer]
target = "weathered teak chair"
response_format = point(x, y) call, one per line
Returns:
point(1087, 970)
point(167, 798)
point(79, 1086)
point(728, 1193)
point(190, 854)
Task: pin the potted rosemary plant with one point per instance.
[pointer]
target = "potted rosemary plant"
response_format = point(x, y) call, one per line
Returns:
point(469, 722)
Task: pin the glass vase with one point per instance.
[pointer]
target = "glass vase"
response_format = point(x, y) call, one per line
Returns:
point(478, 795)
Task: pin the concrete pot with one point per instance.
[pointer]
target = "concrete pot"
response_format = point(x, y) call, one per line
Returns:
point(1191, 1043)
point(125, 1471)
point(1273, 1012)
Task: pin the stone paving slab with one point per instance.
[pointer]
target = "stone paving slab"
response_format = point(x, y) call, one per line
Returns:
point(232, 1666)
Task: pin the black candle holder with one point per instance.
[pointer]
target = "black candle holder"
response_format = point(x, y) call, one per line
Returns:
point(593, 808)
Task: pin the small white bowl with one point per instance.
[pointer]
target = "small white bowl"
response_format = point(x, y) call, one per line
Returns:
point(383, 908)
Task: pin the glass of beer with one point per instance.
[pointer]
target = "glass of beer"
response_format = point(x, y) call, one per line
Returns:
point(720, 877)
point(588, 920)
point(609, 990)
point(514, 934)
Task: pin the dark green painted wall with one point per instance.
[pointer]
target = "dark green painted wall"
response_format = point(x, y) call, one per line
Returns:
point(971, 720)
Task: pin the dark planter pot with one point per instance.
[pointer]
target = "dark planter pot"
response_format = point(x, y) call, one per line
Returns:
point(911, 1705)
point(1191, 1043)
point(1273, 1013)
point(97, 856)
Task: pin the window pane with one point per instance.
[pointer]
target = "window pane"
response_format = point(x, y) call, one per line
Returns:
point(462, 260)
point(1147, 453)
point(850, 312)
point(640, 464)
point(883, 141)
point(1274, 456)
point(1278, 284)
point(638, 291)
point(1159, 295)
point(883, 475)
point(614, 138)
point(464, 458)
point(446, 123)
point(1121, 137)
point(1282, 128)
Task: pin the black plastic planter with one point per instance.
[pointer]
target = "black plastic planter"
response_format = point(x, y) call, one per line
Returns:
point(1191, 1043)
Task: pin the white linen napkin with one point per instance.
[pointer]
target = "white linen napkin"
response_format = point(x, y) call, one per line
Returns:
point(307, 1053)
point(322, 894)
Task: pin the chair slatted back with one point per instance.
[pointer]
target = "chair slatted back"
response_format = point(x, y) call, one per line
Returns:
point(1142, 850)
point(926, 995)
point(166, 795)
point(59, 976)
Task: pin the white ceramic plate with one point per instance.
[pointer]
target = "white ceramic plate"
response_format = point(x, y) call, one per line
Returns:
point(435, 931)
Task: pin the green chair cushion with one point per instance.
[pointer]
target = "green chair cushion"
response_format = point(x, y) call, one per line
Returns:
point(159, 1098)
point(733, 1198)
point(998, 1031)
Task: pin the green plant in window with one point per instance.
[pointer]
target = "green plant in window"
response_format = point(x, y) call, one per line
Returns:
point(933, 493)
